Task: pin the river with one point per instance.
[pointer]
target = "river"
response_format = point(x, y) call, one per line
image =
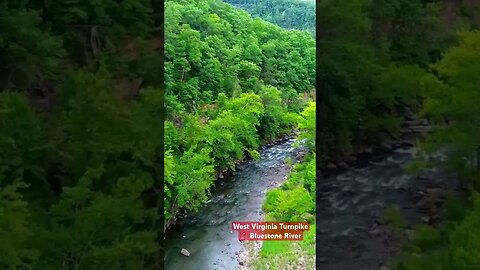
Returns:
point(351, 234)
point(350, 205)
point(238, 197)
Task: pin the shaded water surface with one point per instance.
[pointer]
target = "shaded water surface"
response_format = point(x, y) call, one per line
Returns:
point(352, 204)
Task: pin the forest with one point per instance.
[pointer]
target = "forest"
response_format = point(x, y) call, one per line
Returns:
point(81, 147)
point(86, 144)
point(377, 58)
point(234, 82)
point(231, 83)
point(296, 14)
point(80, 134)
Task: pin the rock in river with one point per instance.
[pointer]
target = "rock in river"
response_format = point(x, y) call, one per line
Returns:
point(432, 197)
point(185, 252)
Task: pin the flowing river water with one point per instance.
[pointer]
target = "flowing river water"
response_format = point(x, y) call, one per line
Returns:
point(239, 197)
point(350, 205)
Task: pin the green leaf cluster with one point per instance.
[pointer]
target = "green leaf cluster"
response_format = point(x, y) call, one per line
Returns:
point(213, 48)
point(232, 83)
point(299, 15)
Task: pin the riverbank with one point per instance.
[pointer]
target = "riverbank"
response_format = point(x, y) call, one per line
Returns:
point(251, 249)
point(291, 199)
point(223, 174)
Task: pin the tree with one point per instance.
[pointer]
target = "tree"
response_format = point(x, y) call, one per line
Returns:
point(91, 229)
point(451, 104)
point(15, 229)
point(307, 125)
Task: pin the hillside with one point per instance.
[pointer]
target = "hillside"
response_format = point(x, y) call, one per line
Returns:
point(80, 135)
point(289, 14)
point(232, 83)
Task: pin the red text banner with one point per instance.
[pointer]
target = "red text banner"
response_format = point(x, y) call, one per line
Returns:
point(270, 231)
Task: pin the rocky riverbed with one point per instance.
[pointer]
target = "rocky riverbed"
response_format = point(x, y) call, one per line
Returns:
point(353, 196)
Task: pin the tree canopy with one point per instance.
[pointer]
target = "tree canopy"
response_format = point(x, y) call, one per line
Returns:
point(80, 135)
point(289, 14)
point(232, 82)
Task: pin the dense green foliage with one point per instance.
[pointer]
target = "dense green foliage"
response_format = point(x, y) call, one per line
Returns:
point(80, 135)
point(296, 197)
point(289, 14)
point(81, 116)
point(89, 175)
point(452, 105)
point(370, 57)
point(213, 48)
point(294, 200)
point(375, 58)
point(452, 245)
point(232, 83)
